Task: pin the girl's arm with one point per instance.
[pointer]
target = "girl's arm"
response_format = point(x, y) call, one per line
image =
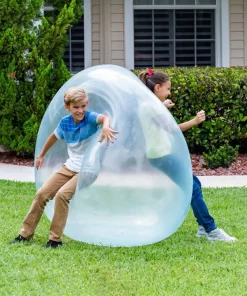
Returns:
point(200, 117)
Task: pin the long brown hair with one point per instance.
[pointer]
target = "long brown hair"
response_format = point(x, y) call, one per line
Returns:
point(151, 78)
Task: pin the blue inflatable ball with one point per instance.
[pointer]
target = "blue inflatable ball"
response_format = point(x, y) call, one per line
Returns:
point(136, 191)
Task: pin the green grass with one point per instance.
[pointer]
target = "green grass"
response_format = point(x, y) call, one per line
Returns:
point(180, 265)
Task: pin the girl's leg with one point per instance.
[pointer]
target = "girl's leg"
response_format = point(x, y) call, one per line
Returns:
point(199, 207)
point(43, 195)
point(171, 166)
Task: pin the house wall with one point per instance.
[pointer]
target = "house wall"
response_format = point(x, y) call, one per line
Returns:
point(238, 32)
point(117, 32)
point(108, 32)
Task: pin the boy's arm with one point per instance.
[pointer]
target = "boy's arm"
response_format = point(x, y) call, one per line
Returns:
point(200, 117)
point(107, 133)
point(51, 140)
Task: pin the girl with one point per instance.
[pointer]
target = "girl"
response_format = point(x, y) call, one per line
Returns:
point(160, 84)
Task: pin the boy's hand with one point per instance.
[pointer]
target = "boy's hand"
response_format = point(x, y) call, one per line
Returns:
point(108, 135)
point(39, 162)
point(168, 103)
point(200, 117)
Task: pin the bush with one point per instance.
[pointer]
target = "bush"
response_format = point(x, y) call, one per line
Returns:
point(31, 66)
point(221, 157)
point(222, 93)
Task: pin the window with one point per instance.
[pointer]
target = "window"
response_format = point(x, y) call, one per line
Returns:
point(74, 52)
point(172, 36)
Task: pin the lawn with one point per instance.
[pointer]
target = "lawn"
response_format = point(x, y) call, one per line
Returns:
point(180, 265)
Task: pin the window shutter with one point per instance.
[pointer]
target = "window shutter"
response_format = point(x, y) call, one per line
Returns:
point(163, 33)
point(143, 38)
point(74, 53)
point(205, 35)
point(174, 37)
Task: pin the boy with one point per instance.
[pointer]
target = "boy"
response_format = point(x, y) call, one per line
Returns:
point(76, 129)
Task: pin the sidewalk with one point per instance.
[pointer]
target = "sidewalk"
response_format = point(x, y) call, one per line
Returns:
point(16, 173)
point(26, 174)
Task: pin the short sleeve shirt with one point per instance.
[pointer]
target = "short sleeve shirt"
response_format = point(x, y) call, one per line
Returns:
point(158, 138)
point(77, 136)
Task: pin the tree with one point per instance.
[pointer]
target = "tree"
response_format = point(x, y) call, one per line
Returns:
point(31, 66)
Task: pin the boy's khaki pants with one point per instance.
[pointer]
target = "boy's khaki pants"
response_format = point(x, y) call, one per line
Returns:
point(60, 186)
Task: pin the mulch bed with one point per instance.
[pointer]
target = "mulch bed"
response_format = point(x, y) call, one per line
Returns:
point(237, 168)
point(12, 158)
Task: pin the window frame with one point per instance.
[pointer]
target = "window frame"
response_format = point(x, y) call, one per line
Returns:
point(222, 29)
point(87, 34)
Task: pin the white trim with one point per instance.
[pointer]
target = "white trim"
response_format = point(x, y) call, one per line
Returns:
point(48, 8)
point(129, 34)
point(87, 34)
point(225, 34)
point(39, 22)
point(245, 32)
point(218, 43)
point(174, 7)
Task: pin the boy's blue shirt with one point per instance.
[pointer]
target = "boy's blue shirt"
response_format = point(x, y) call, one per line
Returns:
point(73, 132)
point(77, 136)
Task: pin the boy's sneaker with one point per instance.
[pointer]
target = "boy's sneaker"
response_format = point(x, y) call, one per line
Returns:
point(201, 232)
point(19, 239)
point(220, 235)
point(53, 244)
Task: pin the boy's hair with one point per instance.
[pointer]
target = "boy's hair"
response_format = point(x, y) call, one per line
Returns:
point(151, 78)
point(74, 94)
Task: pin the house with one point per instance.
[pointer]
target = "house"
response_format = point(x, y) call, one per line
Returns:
point(159, 33)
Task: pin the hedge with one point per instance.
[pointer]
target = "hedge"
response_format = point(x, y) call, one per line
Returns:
point(221, 92)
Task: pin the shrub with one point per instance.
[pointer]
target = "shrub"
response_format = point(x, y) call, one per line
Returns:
point(221, 157)
point(222, 93)
point(31, 66)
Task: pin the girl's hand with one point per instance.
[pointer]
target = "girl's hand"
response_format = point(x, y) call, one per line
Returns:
point(200, 117)
point(108, 134)
point(168, 103)
point(39, 162)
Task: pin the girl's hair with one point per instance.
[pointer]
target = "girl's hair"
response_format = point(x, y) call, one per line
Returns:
point(74, 94)
point(151, 78)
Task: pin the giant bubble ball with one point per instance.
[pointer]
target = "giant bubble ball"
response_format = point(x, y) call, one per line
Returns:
point(136, 191)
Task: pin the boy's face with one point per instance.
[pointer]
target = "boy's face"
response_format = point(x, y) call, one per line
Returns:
point(78, 109)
